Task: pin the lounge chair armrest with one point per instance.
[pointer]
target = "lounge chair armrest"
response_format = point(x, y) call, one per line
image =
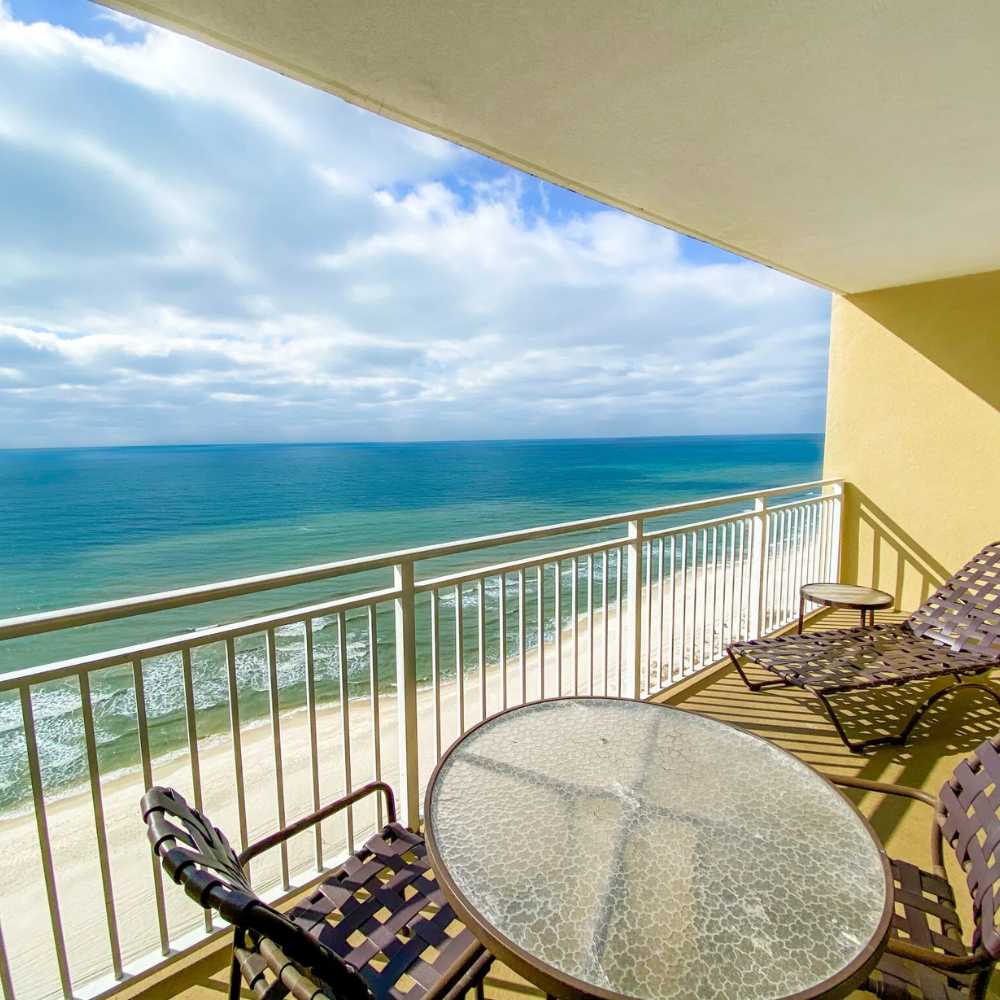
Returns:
point(906, 792)
point(280, 836)
point(883, 788)
point(974, 960)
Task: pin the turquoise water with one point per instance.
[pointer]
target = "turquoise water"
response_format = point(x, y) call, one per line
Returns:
point(86, 525)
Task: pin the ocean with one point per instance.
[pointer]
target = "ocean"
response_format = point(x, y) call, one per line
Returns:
point(94, 524)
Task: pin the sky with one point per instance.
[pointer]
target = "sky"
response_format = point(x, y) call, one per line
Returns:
point(194, 249)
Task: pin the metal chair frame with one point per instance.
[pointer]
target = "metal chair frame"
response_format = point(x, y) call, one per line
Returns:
point(197, 855)
point(965, 815)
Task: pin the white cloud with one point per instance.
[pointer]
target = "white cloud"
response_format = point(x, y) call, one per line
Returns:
point(193, 248)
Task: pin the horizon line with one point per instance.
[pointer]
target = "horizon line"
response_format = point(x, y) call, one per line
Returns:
point(412, 441)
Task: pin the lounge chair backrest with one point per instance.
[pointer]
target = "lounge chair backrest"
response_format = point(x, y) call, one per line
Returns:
point(967, 814)
point(197, 856)
point(965, 612)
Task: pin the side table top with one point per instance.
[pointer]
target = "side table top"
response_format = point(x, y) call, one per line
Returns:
point(847, 595)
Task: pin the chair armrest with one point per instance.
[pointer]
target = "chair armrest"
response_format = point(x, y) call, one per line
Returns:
point(906, 792)
point(883, 788)
point(978, 959)
point(279, 836)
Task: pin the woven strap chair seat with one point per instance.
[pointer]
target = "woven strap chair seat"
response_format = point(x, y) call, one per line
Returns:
point(385, 915)
point(849, 659)
point(926, 916)
point(377, 928)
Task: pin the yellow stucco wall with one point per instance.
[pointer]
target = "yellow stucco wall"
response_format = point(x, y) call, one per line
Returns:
point(913, 425)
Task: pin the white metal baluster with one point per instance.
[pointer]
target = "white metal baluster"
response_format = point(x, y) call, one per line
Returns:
point(729, 550)
point(757, 571)
point(807, 565)
point(722, 569)
point(460, 658)
point(191, 726)
point(101, 829)
point(540, 626)
point(232, 689)
point(737, 598)
point(790, 563)
point(775, 568)
point(373, 684)
point(481, 628)
point(822, 573)
point(559, 627)
point(792, 558)
point(436, 668)
point(502, 613)
point(684, 602)
point(790, 569)
point(279, 770)
point(704, 593)
point(776, 578)
point(800, 536)
point(659, 630)
point(604, 614)
point(837, 500)
point(310, 650)
point(694, 598)
point(522, 635)
point(817, 566)
point(820, 540)
point(648, 548)
point(408, 743)
point(725, 577)
point(713, 631)
point(800, 515)
point(673, 608)
point(636, 531)
point(575, 612)
point(740, 577)
point(142, 725)
point(345, 718)
point(590, 621)
point(787, 567)
point(619, 609)
point(45, 849)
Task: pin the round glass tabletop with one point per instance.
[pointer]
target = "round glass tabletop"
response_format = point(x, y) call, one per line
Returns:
point(847, 594)
point(616, 848)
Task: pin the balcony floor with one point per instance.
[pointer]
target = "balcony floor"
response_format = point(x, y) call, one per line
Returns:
point(795, 721)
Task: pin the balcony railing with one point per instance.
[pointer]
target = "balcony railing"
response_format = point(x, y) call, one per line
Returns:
point(262, 719)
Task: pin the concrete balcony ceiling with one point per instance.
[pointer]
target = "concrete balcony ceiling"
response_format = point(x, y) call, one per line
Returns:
point(855, 144)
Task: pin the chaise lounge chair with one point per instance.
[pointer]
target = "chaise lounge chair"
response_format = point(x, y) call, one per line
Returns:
point(377, 928)
point(955, 632)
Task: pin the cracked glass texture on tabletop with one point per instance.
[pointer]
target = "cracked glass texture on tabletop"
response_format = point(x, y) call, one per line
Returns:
point(653, 853)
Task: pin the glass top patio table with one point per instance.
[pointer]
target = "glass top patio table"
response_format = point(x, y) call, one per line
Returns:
point(613, 848)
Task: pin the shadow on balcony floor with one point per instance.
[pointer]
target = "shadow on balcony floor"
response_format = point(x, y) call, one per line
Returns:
point(794, 720)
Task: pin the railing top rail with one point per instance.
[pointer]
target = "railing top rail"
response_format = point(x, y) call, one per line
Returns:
point(189, 640)
point(89, 614)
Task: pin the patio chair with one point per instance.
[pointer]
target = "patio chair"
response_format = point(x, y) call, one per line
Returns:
point(954, 633)
point(925, 956)
point(377, 927)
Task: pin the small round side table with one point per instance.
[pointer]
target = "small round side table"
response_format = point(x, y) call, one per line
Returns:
point(867, 600)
